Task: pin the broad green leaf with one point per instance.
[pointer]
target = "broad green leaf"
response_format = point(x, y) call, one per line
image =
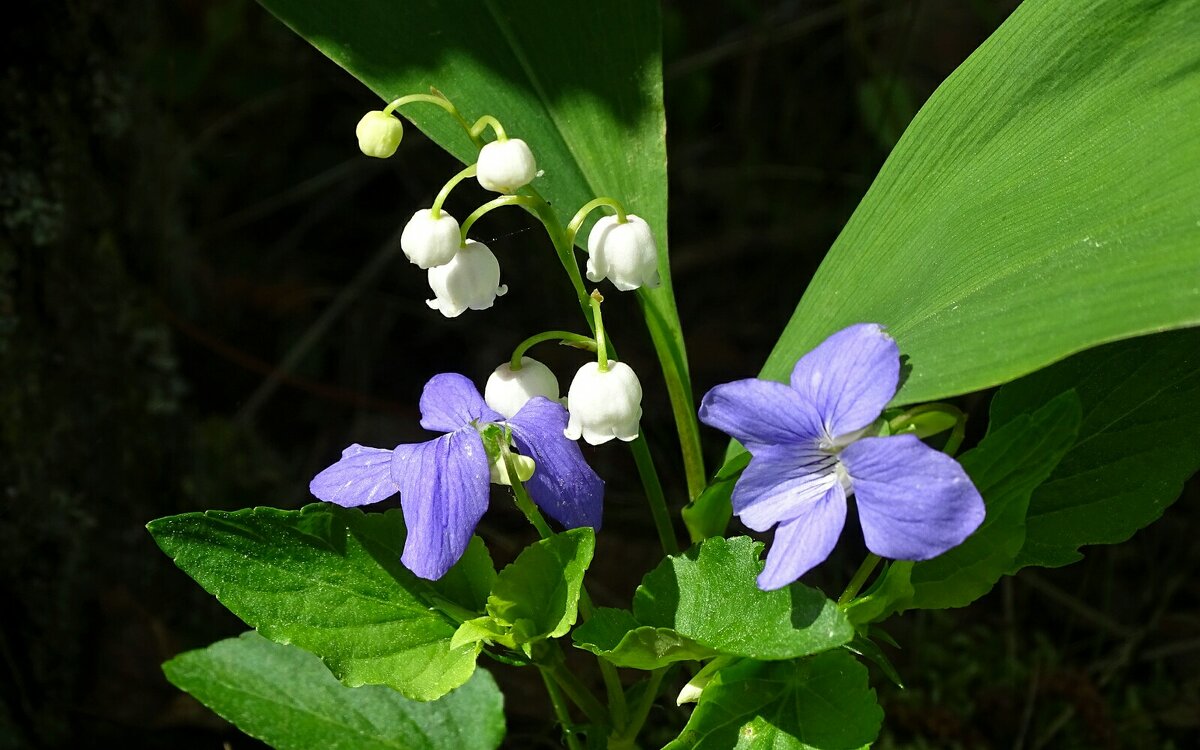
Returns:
point(328, 580)
point(1138, 442)
point(819, 703)
point(617, 636)
point(1043, 201)
point(580, 82)
point(537, 596)
point(1007, 466)
point(709, 595)
point(285, 697)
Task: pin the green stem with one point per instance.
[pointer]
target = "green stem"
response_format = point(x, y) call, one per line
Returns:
point(561, 711)
point(556, 668)
point(581, 216)
point(625, 740)
point(483, 123)
point(521, 496)
point(860, 577)
point(438, 100)
point(655, 496)
point(612, 682)
point(504, 200)
point(601, 344)
point(436, 209)
point(564, 337)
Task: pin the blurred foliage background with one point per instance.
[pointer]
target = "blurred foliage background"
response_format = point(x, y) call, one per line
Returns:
point(200, 306)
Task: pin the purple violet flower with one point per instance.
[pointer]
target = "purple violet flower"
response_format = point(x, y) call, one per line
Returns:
point(810, 450)
point(444, 483)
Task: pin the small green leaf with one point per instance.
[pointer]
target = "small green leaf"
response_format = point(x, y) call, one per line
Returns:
point(709, 595)
point(285, 697)
point(820, 703)
point(537, 596)
point(328, 580)
point(1137, 443)
point(709, 514)
point(1007, 466)
point(615, 635)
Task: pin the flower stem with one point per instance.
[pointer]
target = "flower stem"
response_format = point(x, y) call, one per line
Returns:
point(556, 668)
point(625, 740)
point(612, 682)
point(438, 100)
point(581, 216)
point(504, 200)
point(563, 337)
point(522, 498)
point(483, 123)
point(860, 577)
point(654, 494)
point(436, 209)
point(601, 344)
point(561, 711)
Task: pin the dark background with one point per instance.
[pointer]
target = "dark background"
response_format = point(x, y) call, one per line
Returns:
point(182, 205)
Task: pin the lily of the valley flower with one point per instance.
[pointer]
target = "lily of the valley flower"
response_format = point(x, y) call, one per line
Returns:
point(507, 390)
point(506, 166)
point(624, 253)
point(604, 404)
point(810, 450)
point(470, 280)
point(444, 482)
point(429, 241)
point(379, 134)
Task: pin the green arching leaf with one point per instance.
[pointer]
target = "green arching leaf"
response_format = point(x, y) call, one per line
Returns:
point(1138, 442)
point(709, 595)
point(1006, 467)
point(580, 82)
point(328, 580)
point(285, 697)
point(1043, 201)
point(615, 635)
point(820, 703)
point(537, 596)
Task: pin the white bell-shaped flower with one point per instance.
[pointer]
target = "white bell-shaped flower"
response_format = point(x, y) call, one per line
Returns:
point(625, 253)
point(470, 280)
point(379, 134)
point(430, 242)
point(604, 405)
point(507, 390)
point(506, 166)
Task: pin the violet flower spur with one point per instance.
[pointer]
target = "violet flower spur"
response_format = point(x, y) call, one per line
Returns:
point(444, 483)
point(810, 450)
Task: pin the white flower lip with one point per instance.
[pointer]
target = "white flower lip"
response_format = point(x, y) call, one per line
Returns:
point(604, 405)
point(379, 134)
point(471, 280)
point(507, 391)
point(506, 166)
point(625, 253)
point(430, 242)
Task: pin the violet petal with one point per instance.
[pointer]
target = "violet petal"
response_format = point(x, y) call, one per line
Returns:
point(444, 490)
point(451, 401)
point(363, 475)
point(760, 412)
point(562, 485)
point(914, 502)
point(850, 377)
point(804, 542)
point(780, 483)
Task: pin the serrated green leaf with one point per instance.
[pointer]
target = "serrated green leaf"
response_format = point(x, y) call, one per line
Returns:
point(1043, 201)
point(537, 596)
point(328, 580)
point(709, 595)
point(1137, 444)
point(1007, 466)
point(820, 703)
point(615, 635)
point(580, 82)
point(285, 697)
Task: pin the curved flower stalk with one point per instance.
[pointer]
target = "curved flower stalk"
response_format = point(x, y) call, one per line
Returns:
point(444, 483)
point(812, 448)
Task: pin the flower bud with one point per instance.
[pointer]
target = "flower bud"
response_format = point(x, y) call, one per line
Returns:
point(470, 280)
point(625, 254)
point(508, 390)
point(498, 470)
point(430, 242)
point(506, 166)
point(604, 405)
point(379, 134)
